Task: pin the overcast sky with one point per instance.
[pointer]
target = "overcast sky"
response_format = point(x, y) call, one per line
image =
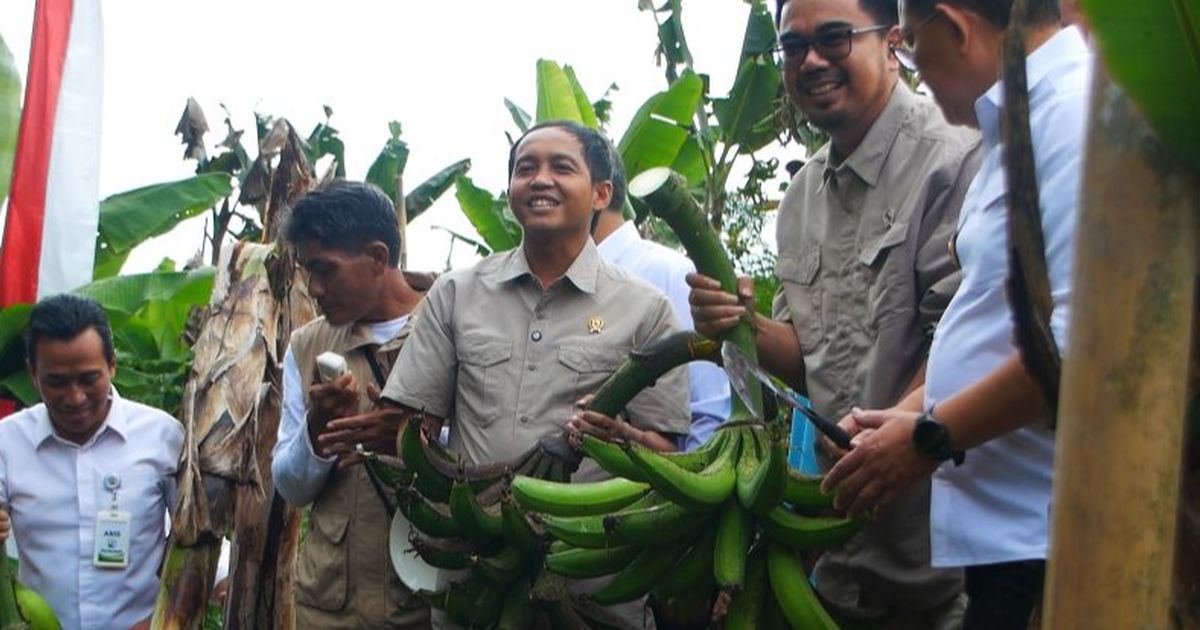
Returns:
point(441, 68)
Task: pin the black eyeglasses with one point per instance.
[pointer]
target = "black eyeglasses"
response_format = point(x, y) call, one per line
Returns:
point(905, 50)
point(832, 45)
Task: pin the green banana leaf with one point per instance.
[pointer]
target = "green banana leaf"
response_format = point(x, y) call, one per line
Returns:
point(324, 140)
point(122, 296)
point(12, 322)
point(490, 216)
point(1152, 49)
point(559, 95)
point(390, 162)
point(586, 110)
point(424, 195)
point(519, 116)
point(658, 131)
point(10, 116)
point(747, 115)
point(760, 30)
point(129, 218)
point(671, 41)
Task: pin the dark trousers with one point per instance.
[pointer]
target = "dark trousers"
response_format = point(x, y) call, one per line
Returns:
point(1003, 596)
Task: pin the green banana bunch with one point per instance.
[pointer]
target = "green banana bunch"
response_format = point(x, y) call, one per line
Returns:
point(20, 607)
point(792, 591)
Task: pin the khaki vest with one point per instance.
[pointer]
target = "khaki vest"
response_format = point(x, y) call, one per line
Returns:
point(344, 574)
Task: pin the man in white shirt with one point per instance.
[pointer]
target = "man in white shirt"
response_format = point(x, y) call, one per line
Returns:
point(86, 476)
point(989, 513)
point(665, 269)
point(348, 241)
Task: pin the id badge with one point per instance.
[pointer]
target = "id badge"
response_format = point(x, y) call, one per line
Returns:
point(112, 539)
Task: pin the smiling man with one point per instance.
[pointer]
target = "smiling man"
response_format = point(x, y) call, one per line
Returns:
point(86, 476)
point(504, 350)
point(979, 407)
point(865, 274)
point(347, 240)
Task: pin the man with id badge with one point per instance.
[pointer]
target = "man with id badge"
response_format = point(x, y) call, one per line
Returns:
point(86, 476)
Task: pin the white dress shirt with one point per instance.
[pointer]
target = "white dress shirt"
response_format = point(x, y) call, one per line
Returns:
point(995, 507)
point(665, 269)
point(300, 473)
point(53, 489)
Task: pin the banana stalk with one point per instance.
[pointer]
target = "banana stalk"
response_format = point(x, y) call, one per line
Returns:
point(666, 193)
point(646, 365)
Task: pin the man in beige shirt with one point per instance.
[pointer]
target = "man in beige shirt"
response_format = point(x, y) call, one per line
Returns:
point(504, 350)
point(865, 274)
point(347, 239)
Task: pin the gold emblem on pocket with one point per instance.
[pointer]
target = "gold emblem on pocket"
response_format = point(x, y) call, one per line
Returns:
point(595, 325)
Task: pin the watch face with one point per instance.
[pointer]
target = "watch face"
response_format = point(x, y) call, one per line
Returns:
point(929, 437)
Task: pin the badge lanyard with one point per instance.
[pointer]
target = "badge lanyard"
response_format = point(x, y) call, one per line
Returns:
point(113, 527)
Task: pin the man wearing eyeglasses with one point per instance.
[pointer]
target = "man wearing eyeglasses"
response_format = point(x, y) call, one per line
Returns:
point(991, 513)
point(865, 274)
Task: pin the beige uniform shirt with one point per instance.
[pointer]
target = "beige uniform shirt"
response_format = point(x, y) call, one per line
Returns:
point(865, 274)
point(344, 574)
point(504, 360)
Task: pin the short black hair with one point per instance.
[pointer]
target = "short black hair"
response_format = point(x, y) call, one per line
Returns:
point(996, 12)
point(596, 152)
point(881, 11)
point(64, 317)
point(620, 182)
point(345, 215)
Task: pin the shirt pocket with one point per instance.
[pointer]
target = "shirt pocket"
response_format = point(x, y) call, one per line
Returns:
point(589, 366)
point(482, 362)
point(322, 572)
point(798, 272)
point(885, 274)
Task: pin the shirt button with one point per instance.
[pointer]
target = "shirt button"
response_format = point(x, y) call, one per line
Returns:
point(540, 314)
point(524, 419)
point(536, 335)
point(532, 367)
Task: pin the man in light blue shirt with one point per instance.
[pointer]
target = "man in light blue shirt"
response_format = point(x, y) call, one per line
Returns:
point(989, 513)
point(665, 269)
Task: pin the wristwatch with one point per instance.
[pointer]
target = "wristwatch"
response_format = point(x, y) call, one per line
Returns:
point(931, 439)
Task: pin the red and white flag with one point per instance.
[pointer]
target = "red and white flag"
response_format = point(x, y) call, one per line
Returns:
point(54, 201)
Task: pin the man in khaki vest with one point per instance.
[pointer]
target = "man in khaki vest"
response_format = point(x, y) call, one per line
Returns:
point(348, 240)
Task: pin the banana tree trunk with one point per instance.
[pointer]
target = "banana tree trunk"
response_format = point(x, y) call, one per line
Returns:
point(231, 408)
point(1124, 386)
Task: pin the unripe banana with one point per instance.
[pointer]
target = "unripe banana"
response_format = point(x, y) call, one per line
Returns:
point(431, 519)
point(700, 458)
point(517, 529)
point(638, 576)
point(581, 531)
point(746, 609)
point(581, 562)
point(474, 522)
point(652, 525)
point(802, 532)
point(517, 612)
point(804, 492)
point(694, 571)
point(431, 483)
point(763, 491)
point(697, 491)
point(793, 592)
point(35, 610)
point(577, 499)
point(735, 532)
point(610, 457)
point(502, 567)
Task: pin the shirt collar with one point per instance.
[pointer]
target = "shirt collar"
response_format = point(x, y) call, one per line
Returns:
point(1061, 49)
point(44, 430)
point(359, 335)
point(868, 159)
point(581, 273)
point(621, 240)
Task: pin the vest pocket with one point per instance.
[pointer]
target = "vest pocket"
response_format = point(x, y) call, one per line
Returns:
point(322, 571)
point(482, 362)
point(798, 273)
